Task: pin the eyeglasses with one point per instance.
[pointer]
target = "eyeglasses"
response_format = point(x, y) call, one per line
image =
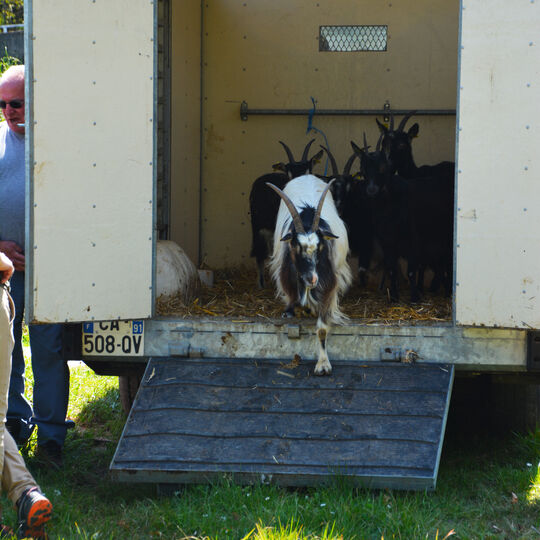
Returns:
point(14, 104)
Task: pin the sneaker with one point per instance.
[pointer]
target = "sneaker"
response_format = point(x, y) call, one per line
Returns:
point(33, 512)
point(50, 453)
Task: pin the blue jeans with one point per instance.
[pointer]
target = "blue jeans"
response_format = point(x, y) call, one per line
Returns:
point(51, 375)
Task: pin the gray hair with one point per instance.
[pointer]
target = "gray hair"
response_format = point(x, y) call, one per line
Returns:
point(13, 73)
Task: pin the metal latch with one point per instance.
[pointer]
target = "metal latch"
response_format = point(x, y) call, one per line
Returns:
point(293, 331)
point(396, 354)
point(390, 354)
point(533, 350)
point(185, 350)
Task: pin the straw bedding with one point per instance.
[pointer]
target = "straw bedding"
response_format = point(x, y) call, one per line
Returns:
point(235, 296)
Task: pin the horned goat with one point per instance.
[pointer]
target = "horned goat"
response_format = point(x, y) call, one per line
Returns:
point(264, 204)
point(309, 261)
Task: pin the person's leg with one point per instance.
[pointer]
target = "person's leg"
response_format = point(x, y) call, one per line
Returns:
point(16, 478)
point(34, 510)
point(51, 382)
point(6, 346)
point(19, 411)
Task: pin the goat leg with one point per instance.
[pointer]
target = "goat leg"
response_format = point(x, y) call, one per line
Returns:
point(323, 366)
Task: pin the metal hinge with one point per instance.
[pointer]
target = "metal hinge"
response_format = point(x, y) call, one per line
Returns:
point(293, 331)
point(185, 350)
point(396, 354)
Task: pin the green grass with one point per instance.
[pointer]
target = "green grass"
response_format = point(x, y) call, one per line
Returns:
point(487, 488)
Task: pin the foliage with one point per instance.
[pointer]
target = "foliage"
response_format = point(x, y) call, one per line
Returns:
point(7, 61)
point(11, 11)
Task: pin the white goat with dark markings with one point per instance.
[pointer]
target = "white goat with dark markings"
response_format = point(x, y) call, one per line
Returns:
point(309, 262)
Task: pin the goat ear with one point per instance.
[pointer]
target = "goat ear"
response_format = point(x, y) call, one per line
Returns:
point(329, 235)
point(317, 157)
point(287, 238)
point(382, 127)
point(279, 167)
point(413, 131)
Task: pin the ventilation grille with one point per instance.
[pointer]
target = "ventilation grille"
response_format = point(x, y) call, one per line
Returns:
point(353, 38)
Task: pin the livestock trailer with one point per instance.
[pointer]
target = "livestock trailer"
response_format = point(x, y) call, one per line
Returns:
point(150, 119)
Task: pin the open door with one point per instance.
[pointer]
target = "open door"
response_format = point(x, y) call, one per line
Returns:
point(90, 87)
point(498, 163)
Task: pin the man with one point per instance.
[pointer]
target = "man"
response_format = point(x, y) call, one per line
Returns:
point(51, 374)
point(33, 508)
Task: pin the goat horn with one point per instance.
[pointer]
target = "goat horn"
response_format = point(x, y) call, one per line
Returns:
point(306, 150)
point(378, 147)
point(404, 121)
point(289, 153)
point(317, 216)
point(366, 146)
point(332, 161)
point(348, 165)
point(298, 225)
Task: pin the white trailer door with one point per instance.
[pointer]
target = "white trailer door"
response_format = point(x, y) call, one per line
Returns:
point(498, 188)
point(90, 83)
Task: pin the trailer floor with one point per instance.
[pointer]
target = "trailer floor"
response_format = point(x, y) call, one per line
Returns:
point(235, 295)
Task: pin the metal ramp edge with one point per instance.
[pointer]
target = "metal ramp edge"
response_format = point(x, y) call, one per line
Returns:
point(375, 424)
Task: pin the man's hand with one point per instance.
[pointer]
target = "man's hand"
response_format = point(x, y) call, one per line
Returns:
point(6, 268)
point(13, 252)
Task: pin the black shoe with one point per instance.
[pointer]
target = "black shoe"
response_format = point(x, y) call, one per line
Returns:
point(33, 512)
point(20, 431)
point(49, 453)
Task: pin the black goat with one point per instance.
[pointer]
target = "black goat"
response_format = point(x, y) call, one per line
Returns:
point(397, 145)
point(354, 208)
point(411, 220)
point(264, 203)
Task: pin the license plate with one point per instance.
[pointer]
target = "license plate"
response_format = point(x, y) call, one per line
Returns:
point(113, 338)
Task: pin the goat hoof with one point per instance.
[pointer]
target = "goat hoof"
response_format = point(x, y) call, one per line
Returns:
point(325, 369)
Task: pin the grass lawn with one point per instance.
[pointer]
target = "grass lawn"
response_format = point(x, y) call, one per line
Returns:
point(488, 487)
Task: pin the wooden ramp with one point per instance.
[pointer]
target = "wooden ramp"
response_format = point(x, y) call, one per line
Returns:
point(376, 424)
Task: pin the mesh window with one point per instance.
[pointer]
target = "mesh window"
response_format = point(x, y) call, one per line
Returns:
point(353, 38)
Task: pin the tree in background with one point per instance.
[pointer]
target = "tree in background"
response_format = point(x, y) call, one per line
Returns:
point(11, 11)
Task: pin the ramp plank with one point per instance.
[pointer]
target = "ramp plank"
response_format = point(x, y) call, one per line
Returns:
point(378, 424)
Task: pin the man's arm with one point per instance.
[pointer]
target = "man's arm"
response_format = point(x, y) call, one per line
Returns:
point(6, 268)
point(14, 252)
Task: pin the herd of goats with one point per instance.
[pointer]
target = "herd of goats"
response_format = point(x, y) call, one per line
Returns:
point(315, 221)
